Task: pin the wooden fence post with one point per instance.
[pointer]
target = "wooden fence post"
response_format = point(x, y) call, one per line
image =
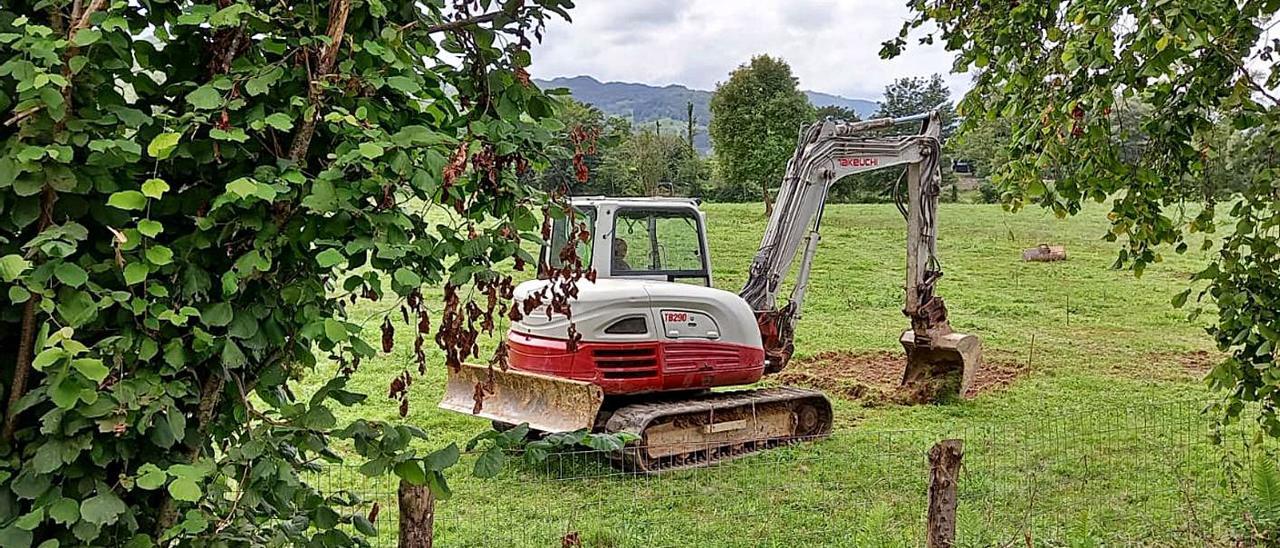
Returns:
point(417, 515)
point(944, 470)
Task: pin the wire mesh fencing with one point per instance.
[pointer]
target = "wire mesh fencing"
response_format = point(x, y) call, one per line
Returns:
point(1135, 475)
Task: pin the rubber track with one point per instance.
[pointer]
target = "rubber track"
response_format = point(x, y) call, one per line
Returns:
point(635, 418)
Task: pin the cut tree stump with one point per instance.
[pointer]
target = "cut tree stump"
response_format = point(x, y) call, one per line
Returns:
point(417, 515)
point(944, 470)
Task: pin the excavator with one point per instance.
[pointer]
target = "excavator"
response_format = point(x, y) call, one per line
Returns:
point(650, 338)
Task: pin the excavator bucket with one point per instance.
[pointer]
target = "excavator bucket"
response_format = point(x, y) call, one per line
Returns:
point(946, 366)
point(549, 404)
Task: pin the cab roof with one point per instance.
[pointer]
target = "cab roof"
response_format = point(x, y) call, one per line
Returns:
point(580, 201)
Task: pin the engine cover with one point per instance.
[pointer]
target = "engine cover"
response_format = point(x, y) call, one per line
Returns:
point(641, 336)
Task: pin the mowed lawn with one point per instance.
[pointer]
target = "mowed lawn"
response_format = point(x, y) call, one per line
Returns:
point(1108, 349)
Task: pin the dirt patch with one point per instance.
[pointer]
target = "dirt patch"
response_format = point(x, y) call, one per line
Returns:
point(874, 377)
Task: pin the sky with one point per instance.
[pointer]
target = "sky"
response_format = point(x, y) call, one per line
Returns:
point(833, 46)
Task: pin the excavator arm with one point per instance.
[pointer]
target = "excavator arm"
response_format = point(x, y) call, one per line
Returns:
point(826, 152)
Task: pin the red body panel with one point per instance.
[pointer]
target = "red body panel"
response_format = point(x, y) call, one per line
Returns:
point(635, 368)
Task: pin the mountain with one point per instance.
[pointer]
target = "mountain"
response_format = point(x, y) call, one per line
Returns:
point(645, 104)
point(863, 107)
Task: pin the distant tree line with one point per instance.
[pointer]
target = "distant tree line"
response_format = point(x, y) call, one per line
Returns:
point(756, 116)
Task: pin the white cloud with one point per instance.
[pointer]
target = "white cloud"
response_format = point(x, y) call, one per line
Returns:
point(833, 46)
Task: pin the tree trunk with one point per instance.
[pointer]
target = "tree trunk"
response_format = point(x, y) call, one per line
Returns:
point(944, 469)
point(768, 200)
point(417, 515)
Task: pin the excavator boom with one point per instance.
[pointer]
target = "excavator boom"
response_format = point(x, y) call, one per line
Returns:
point(826, 152)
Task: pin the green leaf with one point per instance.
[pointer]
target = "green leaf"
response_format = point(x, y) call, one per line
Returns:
point(407, 278)
point(416, 136)
point(443, 458)
point(102, 509)
point(439, 486)
point(135, 273)
point(159, 255)
point(185, 490)
point(14, 537)
point(1265, 483)
point(490, 462)
point(411, 471)
point(47, 357)
point(86, 36)
point(150, 228)
point(47, 458)
point(234, 134)
point(363, 525)
point(177, 423)
point(403, 84)
point(329, 258)
point(18, 294)
point(12, 266)
point(71, 274)
point(371, 150)
point(128, 200)
point(205, 98)
point(154, 188)
point(242, 187)
point(218, 315)
point(91, 368)
point(151, 477)
point(280, 121)
point(232, 356)
point(65, 511)
point(31, 520)
point(76, 307)
point(65, 393)
point(230, 15)
point(335, 330)
point(261, 83)
point(162, 145)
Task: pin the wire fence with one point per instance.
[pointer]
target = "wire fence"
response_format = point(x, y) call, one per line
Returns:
point(1134, 475)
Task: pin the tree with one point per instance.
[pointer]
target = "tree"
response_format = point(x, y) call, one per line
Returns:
point(650, 159)
point(755, 118)
point(902, 97)
point(586, 141)
point(1057, 72)
point(192, 193)
point(907, 96)
point(837, 112)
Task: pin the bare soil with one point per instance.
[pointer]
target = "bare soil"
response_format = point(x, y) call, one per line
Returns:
point(874, 378)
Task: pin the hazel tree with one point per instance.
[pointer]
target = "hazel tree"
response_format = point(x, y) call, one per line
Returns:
point(191, 195)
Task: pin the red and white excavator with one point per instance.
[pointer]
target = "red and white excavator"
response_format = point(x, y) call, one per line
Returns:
point(656, 337)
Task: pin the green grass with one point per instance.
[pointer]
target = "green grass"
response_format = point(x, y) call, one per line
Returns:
point(1076, 451)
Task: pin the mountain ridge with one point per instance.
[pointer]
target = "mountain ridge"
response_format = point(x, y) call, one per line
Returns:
point(644, 103)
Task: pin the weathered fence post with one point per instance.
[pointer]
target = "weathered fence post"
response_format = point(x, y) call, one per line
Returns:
point(417, 515)
point(944, 469)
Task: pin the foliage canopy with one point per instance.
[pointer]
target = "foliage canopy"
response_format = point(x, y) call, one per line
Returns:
point(1064, 73)
point(756, 117)
point(190, 194)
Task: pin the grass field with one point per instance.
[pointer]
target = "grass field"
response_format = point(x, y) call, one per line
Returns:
point(1107, 346)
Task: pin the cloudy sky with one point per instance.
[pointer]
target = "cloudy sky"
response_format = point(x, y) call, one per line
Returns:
point(832, 45)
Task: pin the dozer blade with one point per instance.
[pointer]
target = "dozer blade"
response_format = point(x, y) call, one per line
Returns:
point(549, 404)
point(948, 365)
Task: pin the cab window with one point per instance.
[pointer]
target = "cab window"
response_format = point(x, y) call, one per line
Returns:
point(655, 242)
point(562, 229)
